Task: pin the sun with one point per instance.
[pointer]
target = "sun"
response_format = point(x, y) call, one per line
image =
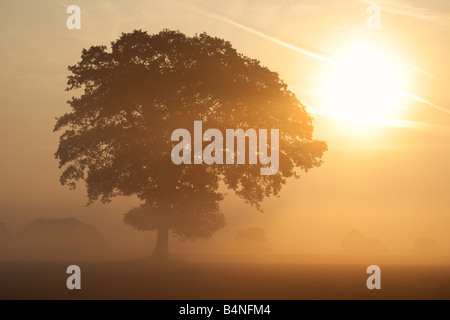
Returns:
point(365, 86)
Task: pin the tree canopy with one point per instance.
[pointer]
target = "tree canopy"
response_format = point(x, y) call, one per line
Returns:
point(117, 135)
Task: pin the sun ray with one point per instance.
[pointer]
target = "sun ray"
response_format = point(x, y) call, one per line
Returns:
point(378, 114)
point(308, 53)
point(417, 98)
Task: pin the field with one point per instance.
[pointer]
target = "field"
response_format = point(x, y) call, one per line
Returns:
point(145, 279)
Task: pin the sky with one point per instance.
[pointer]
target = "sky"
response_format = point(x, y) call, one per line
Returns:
point(387, 170)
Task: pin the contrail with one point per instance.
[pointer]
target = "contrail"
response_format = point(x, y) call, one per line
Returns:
point(420, 70)
point(411, 11)
point(406, 13)
point(391, 122)
point(292, 47)
point(266, 36)
point(414, 97)
point(61, 4)
point(315, 55)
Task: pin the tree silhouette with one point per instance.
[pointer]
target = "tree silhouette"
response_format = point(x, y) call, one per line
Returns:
point(117, 136)
point(6, 239)
point(357, 243)
point(253, 240)
point(426, 247)
point(62, 239)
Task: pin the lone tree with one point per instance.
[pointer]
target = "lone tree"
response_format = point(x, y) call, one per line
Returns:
point(253, 240)
point(117, 136)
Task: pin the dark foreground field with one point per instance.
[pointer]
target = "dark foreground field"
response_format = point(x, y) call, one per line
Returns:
point(141, 279)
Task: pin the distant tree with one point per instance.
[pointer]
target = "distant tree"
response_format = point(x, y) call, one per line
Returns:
point(426, 247)
point(64, 238)
point(356, 242)
point(6, 239)
point(253, 240)
point(117, 136)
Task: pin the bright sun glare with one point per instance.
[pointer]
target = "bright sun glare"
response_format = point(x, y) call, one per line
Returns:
point(365, 87)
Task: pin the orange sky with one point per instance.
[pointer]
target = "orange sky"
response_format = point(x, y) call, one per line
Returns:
point(386, 181)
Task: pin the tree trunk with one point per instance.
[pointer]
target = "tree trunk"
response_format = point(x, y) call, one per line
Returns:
point(167, 182)
point(162, 243)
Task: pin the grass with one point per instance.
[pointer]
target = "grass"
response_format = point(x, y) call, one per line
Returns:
point(146, 279)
